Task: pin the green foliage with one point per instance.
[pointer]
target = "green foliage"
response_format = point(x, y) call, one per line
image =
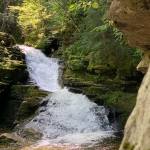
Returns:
point(89, 40)
point(95, 52)
point(32, 17)
point(100, 44)
point(116, 97)
point(8, 20)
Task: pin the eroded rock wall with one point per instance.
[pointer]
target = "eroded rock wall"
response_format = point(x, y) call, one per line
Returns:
point(12, 71)
point(132, 17)
point(18, 101)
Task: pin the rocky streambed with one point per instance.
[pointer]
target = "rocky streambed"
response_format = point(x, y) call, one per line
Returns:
point(15, 142)
point(21, 99)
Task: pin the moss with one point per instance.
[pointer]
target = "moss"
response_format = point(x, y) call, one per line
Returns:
point(76, 64)
point(119, 98)
point(6, 39)
point(94, 90)
point(12, 65)
point(30, 97)
point(21, 104)
point(6, 141)
point(79, 76)
point(117, 95)
point(122, 102)
point(9, 141)
point(12, 71)
point(128, 146)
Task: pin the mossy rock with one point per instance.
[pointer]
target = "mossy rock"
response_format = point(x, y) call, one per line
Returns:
point(30, 97)
point(12, 71)
point(77, 64)
point(122, 104)
point(79, 76)
point(95, 93)
point(23, 101)
point(128, 146)
point(103, 70)
point(11, 141)
point(12, 65)
point(96, 90)
point(4, 140)
point(6, 40)
point(122, 101)
point(14, 75)
point(7, 138)
point(117, 95)
point(31, 135)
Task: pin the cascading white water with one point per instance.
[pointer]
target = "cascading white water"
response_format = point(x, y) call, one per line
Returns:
point(42, 70)
point(67, 117)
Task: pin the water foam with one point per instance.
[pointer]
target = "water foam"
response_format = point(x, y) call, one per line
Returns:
point(43, 71)
point(67, 117)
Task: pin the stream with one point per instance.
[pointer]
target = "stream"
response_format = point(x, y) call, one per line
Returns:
point(67, 118)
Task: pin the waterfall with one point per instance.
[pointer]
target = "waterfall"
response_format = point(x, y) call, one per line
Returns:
point(42, 71)
point(67, 117)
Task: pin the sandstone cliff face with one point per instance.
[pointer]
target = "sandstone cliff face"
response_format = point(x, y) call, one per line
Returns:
point(132, 17)
point(137, 130)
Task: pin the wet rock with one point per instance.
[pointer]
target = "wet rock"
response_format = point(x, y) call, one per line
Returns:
point(50, 46)
point(106, 144)
point(17, 101)
point(75, 90)
point(8, 138)
point(31, 135)
point(44, 103)
point(12, 71)
point(29, 97)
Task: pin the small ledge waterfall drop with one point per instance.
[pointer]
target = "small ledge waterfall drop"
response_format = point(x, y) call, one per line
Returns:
point(67, 117)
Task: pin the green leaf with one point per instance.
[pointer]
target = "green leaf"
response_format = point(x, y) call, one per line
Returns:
point(72, 7)
point(95, 5)
point(102, 28)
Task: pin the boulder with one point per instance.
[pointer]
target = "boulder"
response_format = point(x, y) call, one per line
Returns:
point(31, 135)
point(31, 100)
point(144, 64)
point(133, 19)
point(137, 130)
point(7, 138)
point(12, 71)
point(23, 101)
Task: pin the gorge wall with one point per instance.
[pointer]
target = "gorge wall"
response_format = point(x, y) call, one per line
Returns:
point(18, 98)
point(12, 71)
point(132, 17)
